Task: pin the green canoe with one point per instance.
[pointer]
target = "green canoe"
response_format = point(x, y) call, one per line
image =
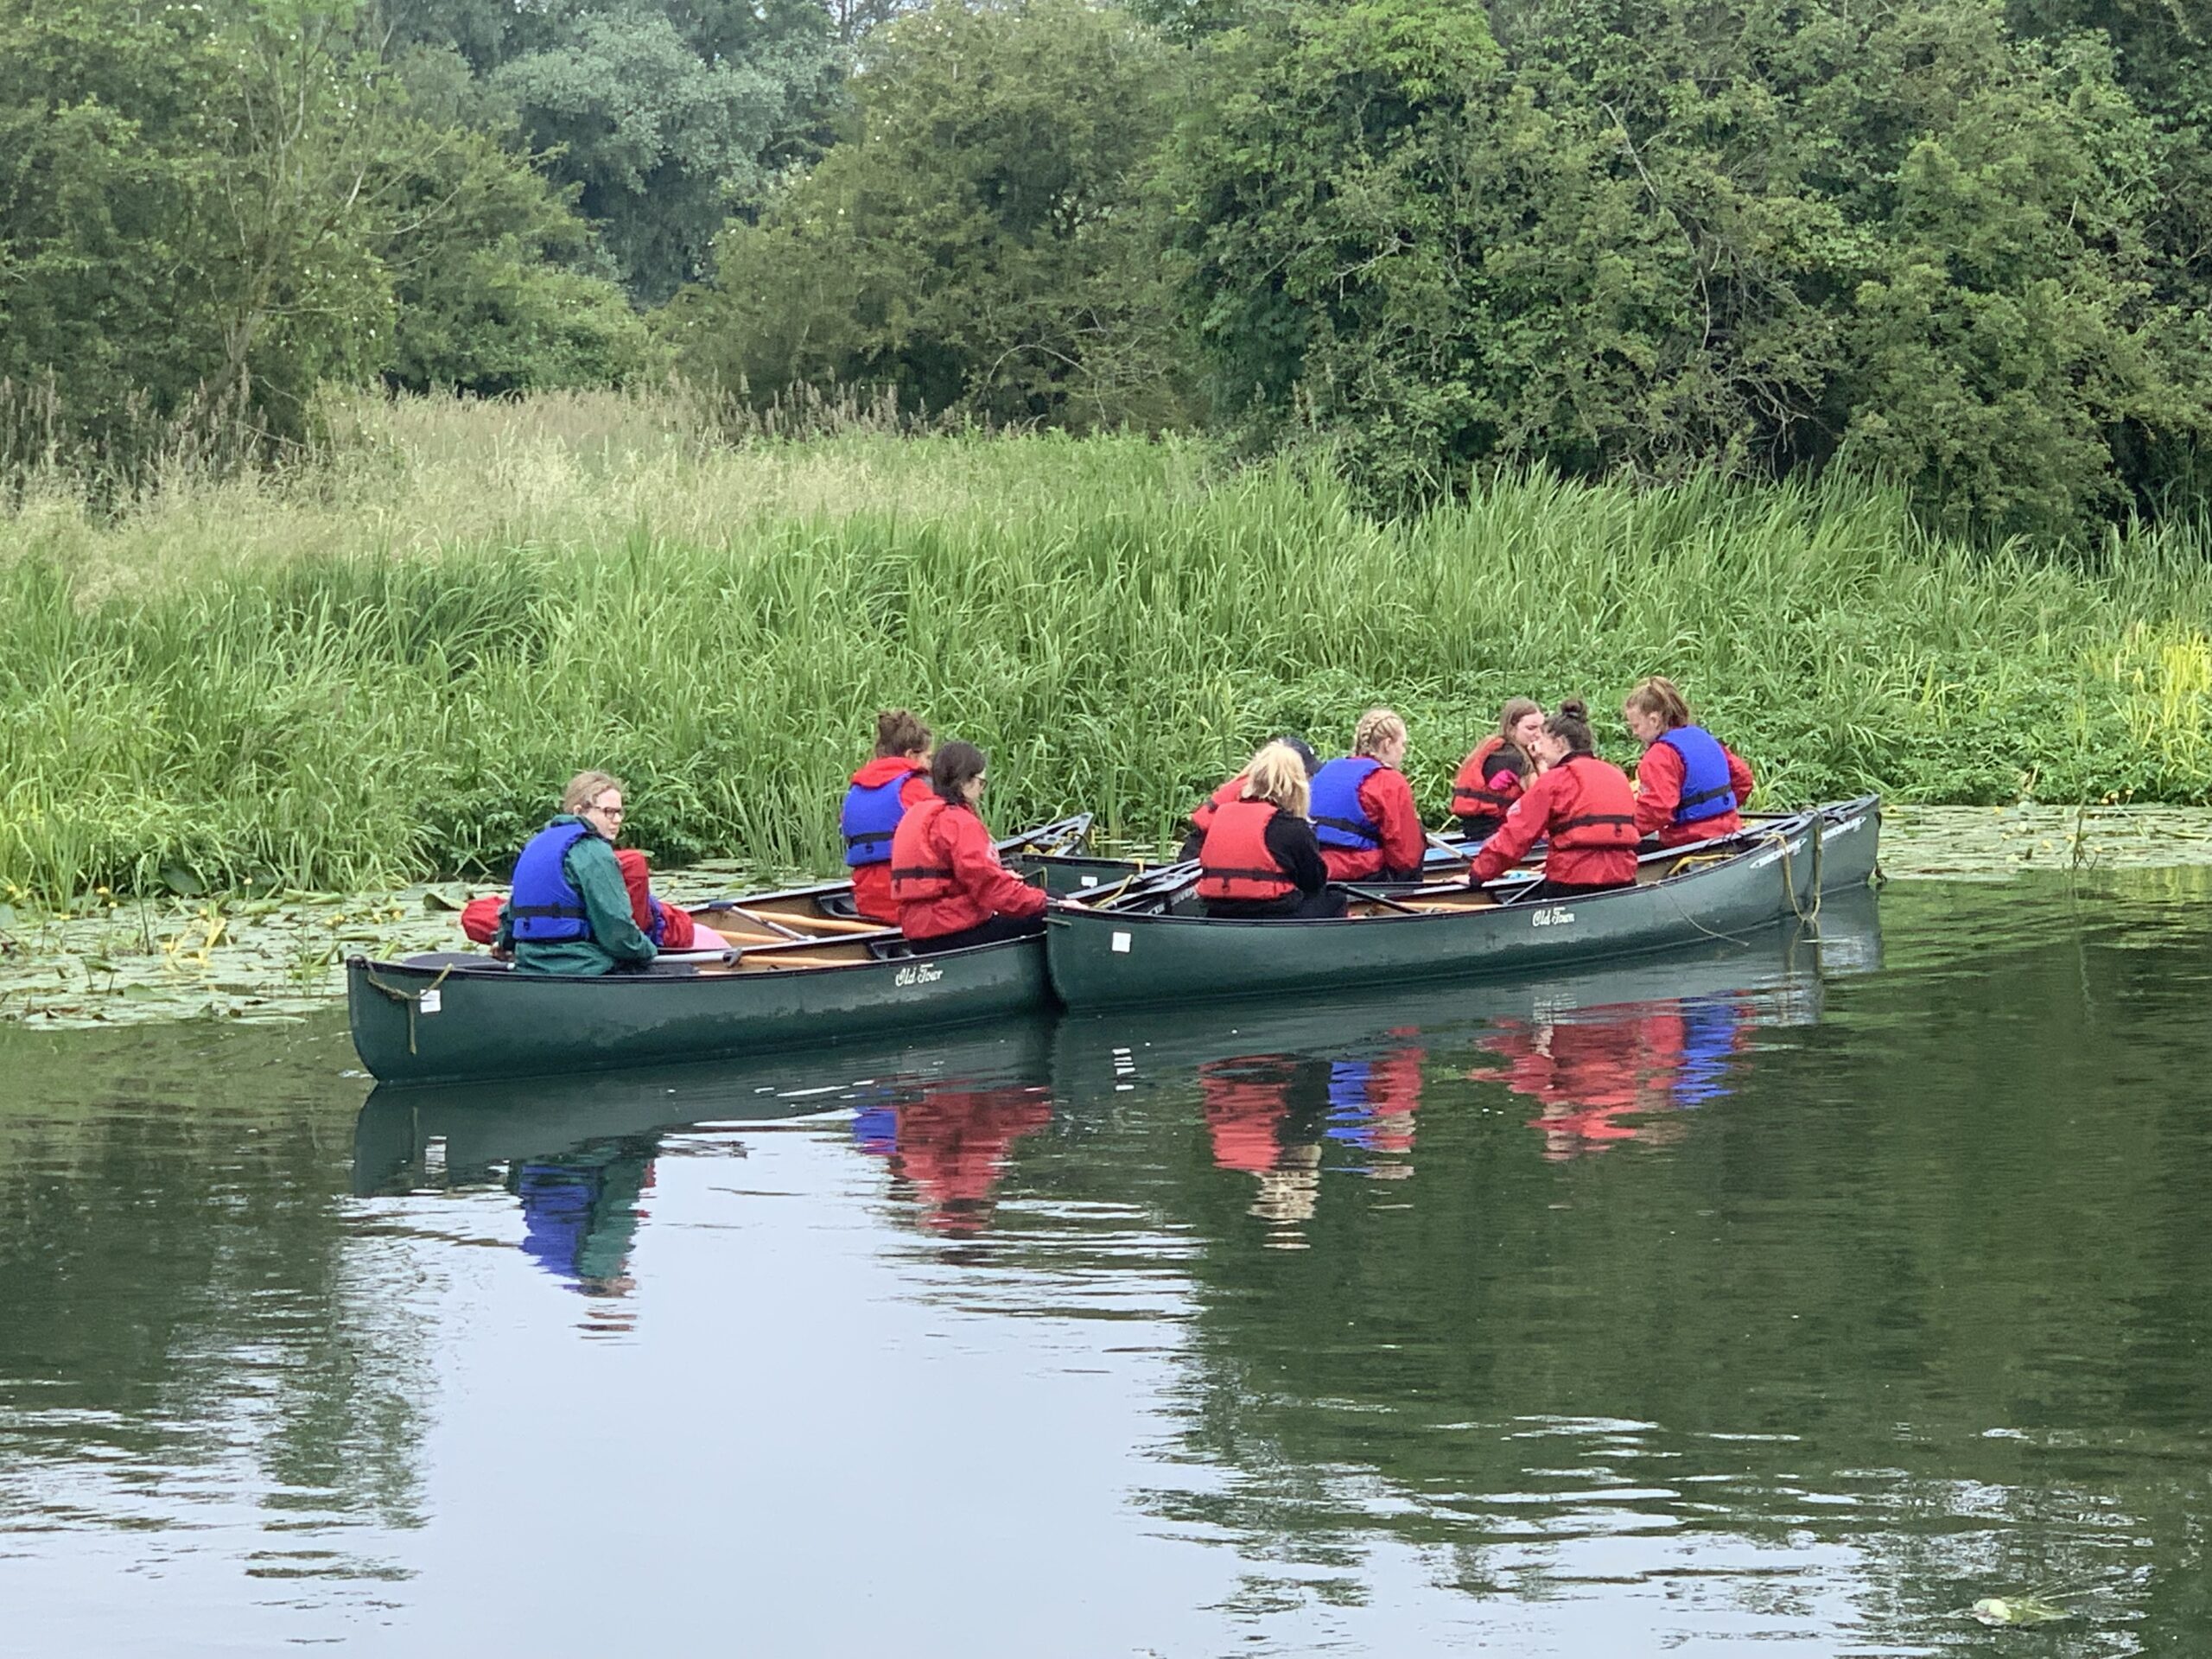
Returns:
point(805, 971)
point(1133, 951)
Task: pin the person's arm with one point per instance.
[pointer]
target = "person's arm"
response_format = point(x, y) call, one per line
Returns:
point(597, 878)
point(1504, 780)
point(503, 935)
point(1739, 777)
point(1523, 828)
point(1658, 788)
point(976, 867)
point(1388, 799)
point(1291, 840)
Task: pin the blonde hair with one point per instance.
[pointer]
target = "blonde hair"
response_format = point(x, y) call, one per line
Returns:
point(1277, 775)
point(1376, 726)
point(586, 787)
point(1660, 695)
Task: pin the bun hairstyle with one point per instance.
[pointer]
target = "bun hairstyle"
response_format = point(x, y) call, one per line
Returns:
point(954, 765)
point(1662, 696)
point(899, 731)
point(1277, 776)
point(1570, 723)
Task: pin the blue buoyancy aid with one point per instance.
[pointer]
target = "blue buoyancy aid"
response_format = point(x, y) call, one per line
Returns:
point(1339, 819)
point(1706, 792)
point(544, 908)
point(871, 819)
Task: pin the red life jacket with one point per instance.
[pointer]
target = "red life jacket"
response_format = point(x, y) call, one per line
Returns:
point(1471, 795)
point(1202, 815)
point(1235, 862)
point(1603, 818)
point(913, 882)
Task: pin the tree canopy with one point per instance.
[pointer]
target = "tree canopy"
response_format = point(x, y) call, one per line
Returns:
point(1962, 244)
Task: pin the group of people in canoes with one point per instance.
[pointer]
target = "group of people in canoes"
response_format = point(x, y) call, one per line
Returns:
point(1283, 838)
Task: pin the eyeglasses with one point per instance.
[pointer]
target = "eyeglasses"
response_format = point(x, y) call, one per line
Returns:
point(605, 811)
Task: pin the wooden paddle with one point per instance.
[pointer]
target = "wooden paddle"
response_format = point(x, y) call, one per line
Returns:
point(799, 926)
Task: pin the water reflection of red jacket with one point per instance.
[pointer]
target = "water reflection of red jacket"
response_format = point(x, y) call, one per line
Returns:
point(952, 1145)
point(1246, 1100)
point(1587, 1076)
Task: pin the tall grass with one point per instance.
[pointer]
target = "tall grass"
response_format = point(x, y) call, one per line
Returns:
point(386, 666)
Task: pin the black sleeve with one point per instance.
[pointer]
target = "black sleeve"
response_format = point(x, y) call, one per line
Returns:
point(1291, 840)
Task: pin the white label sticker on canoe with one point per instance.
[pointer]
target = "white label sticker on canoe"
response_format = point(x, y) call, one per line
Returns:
point(1122, 943)
point(430, 1001)
point(919, 973)
point(1557, 916)
point(1090, 880)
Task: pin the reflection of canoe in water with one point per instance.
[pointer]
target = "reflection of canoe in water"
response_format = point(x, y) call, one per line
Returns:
point(476, 1125)
point(1685, 898)
point(1783, 967)
point(804, 972)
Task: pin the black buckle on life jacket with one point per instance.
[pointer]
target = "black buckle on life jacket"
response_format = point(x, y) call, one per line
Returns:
point(558, 913)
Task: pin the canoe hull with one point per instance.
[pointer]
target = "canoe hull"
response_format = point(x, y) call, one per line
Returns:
point(1102, 959)
point(427, 1024)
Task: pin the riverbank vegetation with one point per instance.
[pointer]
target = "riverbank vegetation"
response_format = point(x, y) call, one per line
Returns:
point(383, 665)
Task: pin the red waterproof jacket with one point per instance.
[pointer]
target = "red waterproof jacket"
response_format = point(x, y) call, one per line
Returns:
point(872, 882)
point(1486, 786)
point(1236, 864)
point(1659, 792)
point(945, 874)
point(1388, 799)
point(1228, 794)
point(1583, 805)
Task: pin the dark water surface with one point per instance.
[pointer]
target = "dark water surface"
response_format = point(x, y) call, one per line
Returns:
point(1797, 1294)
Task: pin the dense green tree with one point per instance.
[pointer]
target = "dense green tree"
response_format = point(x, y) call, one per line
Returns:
point(977, 241)
point(1650, 235)
point(666, 116)
point(207, 213)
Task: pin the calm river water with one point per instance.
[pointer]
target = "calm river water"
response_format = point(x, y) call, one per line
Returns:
point(1804, 1291)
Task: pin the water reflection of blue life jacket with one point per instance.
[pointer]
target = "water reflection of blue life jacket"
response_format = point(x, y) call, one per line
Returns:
point(1340, 820)
point(543, 909)
point(870, 818)
point(1350, 1116)
point(1708, 1045)
point(875, 1130)
point(1706, 792)
point(557, 1205)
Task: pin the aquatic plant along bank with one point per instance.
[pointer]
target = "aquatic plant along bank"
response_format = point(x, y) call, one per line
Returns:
point(381, 668)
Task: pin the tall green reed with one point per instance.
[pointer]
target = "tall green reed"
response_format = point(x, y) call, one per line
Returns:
point(342, 680)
